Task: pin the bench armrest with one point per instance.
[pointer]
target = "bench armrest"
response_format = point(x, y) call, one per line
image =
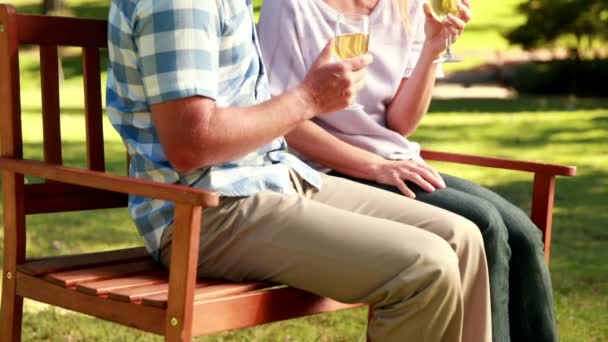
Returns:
point(500, 163)
point(111, 182)
point(543, 192)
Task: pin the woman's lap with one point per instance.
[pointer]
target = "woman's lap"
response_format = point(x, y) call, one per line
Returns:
point(521, 229)
point(515, 255)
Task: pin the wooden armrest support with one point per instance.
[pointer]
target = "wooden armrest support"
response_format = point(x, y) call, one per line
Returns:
point(116, 183)
point(500, 163)
point(543, 193)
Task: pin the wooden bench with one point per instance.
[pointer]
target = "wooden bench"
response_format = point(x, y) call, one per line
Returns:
point(125, 286)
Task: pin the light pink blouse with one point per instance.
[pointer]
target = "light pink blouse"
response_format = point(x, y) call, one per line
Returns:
point(293, 33)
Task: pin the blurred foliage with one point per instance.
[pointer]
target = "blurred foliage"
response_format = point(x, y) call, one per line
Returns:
point(574, 77)
point(550, 20)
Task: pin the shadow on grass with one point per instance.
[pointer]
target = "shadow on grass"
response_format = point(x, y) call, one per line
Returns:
point(71, 64)
point(74, 154)
point(97, 10)
point(515, 134)
point(69, 111)
point(580, 238)
point(520, 104)
point(29, 8)
point(56, 326)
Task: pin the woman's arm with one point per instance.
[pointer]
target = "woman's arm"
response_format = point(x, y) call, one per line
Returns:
point(319, 145)
point(280, 42)
point(413, 97)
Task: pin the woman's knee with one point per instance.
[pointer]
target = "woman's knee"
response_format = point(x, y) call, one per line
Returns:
point(488, 220)
point(526, 240)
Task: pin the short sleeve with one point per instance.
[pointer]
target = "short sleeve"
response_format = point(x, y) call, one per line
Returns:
point(280, 45)
point(178, 46)
point(418, 37)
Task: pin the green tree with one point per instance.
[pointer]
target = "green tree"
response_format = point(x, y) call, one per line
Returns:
point(549, 20)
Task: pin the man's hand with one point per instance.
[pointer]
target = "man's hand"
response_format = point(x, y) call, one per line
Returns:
point(396, 172)
point(330, 87)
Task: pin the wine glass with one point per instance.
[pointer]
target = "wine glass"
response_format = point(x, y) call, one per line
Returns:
point(352, 39)
point(440, 10)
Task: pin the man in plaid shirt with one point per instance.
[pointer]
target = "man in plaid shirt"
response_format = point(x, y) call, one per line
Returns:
point(188, 93)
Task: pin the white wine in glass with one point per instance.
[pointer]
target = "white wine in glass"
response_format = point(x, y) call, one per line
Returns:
point(352, 39)
point(440, 10)
point(351, 45)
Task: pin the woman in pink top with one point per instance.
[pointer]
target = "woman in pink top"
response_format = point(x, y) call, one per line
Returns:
point(369, 145)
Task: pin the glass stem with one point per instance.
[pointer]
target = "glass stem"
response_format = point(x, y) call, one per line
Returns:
point(448, 50)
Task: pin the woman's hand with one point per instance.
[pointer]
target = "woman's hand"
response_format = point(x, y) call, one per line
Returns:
point(396, 172)
point(437, 32)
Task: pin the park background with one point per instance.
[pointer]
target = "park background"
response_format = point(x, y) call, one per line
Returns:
point(546, 103)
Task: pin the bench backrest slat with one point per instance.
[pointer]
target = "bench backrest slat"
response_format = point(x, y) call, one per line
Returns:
point(10, 105)
point(62, 31)
point(49, 34)
point(93, 113)
point(49, 81)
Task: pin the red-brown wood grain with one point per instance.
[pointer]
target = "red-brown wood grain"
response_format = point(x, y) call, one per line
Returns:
point(62, 31)
point(93, 110)
point(49, 78)
point(111, 182)
point(500, 163)
point(65, 263)
point(543, 196)
point(183, 272)
point(12, 183)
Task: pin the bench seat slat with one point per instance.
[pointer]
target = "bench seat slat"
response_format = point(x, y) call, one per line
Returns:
point(210, 292)
point(38, 267)
point(104, 287)
point(136, 294)
point(76, 277)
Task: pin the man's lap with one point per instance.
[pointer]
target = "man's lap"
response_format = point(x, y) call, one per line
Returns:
point(346, 233)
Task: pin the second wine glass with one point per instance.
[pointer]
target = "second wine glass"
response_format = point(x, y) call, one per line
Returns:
point(352, 39)
point(441, 9)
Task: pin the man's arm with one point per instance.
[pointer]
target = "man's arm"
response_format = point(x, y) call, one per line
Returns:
point(195, 133)
point(202, 135)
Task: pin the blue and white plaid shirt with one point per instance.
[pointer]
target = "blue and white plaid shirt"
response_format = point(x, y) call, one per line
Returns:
point(163, 50)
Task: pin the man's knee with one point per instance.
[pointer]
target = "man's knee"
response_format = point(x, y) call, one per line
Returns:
point(430, 271)
point(443, 262)
point(463, 233)
point(439, 268)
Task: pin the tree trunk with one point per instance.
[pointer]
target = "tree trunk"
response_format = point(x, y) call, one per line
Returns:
point(52, 6)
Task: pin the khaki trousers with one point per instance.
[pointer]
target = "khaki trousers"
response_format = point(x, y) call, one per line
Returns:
point(423, 269)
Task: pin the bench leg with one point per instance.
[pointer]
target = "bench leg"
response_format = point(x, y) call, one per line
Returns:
point(12, 312)
point(14, 254)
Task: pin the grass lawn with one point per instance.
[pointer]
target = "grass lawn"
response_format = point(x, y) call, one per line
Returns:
point(559, 130)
